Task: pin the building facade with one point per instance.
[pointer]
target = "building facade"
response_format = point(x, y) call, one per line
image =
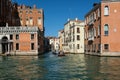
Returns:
point(61, 37)
point(54, 42)
point(19, 40)
point(102, 29)
point(31, 16)
point(73, 36)
point(27, 39)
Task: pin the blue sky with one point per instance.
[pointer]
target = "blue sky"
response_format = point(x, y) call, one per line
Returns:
point(58, 11)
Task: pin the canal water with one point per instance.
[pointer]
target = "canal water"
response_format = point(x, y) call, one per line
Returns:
point(52, 67)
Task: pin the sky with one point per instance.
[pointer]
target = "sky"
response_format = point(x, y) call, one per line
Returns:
point(57, 12)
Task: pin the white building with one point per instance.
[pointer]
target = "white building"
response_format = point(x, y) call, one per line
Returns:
point(54, 42)
point(73, 41)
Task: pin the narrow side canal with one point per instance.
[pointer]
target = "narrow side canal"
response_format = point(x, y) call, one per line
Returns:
point(52, 67)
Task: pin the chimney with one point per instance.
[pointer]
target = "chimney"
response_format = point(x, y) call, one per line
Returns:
point(34, 6)
point(95, 4)
point(68, 19)
point(76, 19)
point(6, 24)
point(23, 6)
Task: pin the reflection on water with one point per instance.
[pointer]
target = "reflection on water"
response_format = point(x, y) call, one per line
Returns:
point(52, 67)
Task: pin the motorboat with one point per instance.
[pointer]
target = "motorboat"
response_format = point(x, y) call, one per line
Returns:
point(61, 53)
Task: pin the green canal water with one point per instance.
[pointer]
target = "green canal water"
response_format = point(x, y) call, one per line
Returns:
point(52, 67)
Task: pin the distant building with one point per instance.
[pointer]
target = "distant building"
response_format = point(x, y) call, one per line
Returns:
point(47, 44)
point(73, 36)
point(61, 39)
point(54, 42)
point(102, 29)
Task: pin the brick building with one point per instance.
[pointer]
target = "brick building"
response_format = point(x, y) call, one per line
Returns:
point(31, 16)
point(19, 40)
point(27, 39)
point(102, 29)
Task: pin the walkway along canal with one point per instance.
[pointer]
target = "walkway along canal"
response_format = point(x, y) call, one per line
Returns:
point(52, 67)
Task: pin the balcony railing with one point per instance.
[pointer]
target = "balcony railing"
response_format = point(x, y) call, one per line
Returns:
point(5, 41)
point(91, 22)
point(18, 29)
point(91, 38)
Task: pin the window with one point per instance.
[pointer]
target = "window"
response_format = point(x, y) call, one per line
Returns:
point(11, 37)
point(39, 12)
point(95, 32)
point(78, 37)
point(99, 47)
point(78, 47)
point(32, 36)
point(26, 12)
point(27, 22)
point(106, 10)
point(20, 12)
point(39, 21)
point(99, 30)
point(30, 12)
point(106, 30)
point(106, 46)
point(31, 21)
point(73, 38)
point(94, 15)
point(32, 46)
point(78, 30)
point(17, 46)
point(21, 21)
point(98, 12)
point(17, 36)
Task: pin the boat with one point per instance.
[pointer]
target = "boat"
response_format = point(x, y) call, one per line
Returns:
point(61, 53)
point(55, 52)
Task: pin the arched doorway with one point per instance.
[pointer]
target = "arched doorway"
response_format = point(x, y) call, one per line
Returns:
point(4, 44)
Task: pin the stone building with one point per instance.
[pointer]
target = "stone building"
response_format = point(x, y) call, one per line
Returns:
point(61, 37)
point(73, 36)
point(54, 43)
point(102, 29)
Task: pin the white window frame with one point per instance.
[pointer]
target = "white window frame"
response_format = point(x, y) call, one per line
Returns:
point(106, 10)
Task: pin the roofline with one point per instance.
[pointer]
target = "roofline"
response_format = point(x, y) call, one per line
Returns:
point(94, 8)
point(74, 20)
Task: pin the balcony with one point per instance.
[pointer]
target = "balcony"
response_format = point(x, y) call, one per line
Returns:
point(91, 38)
point(10, 30)
point(91, 22)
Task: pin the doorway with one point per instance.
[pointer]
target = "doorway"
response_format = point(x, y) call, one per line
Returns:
point(4, 45)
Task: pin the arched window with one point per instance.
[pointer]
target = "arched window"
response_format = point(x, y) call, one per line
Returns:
point(106, 29)
point(106, 10)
